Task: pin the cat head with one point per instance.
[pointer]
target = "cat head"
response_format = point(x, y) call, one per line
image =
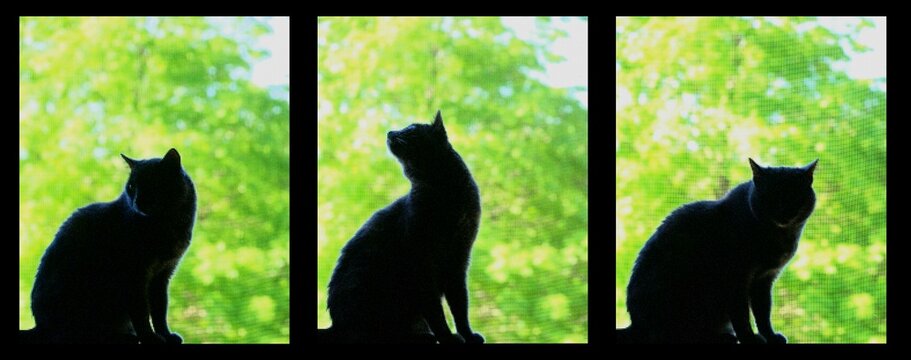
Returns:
point(157, 186)
point(421, 148)
point(783, 195)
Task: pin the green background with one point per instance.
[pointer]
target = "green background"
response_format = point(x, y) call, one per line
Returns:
point(526, 144)
point(697, 96)
point(91, 88)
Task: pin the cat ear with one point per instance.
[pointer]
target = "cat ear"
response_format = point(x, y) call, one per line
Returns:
point(757, 170)
point(129, 161)
point(438, 124)
point(172, 157)
point(811, 168)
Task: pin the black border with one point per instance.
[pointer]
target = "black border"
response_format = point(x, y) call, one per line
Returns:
point(601, 342)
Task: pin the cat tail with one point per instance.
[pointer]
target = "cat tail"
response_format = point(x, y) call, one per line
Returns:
point(327, 336)
point(334, 335)
point(31, 336)
point(628, 336)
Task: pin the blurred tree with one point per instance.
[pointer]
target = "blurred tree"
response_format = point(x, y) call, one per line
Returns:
point(90, 88)
point(697, 96)
point(525, 142)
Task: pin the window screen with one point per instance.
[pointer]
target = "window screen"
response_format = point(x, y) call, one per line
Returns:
point(521, 130)
point(697, 96)
point(92, 88)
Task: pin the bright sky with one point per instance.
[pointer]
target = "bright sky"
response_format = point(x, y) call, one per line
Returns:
point(868, 65)
point(573, 71)
point(274, 69)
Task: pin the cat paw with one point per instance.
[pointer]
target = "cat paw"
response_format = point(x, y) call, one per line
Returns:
point(173, 338)
point(451, 339)
point(752, 339)
point(776, 338)
point(474, 338)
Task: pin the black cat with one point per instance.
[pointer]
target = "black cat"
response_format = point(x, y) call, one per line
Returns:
point(388, 284)
point(107, 270)
point(710, 262)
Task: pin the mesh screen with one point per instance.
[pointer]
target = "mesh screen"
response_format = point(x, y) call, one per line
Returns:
point(92, 88)
point(697, 96)
point(524, 141)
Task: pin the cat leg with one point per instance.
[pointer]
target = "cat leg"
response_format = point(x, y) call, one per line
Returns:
point(158, 304)
point(457, 297)
point(739, 312)
point(761, 301)
point(727, 334)
point(419, 332)
point(433, 313)
point(138, 306)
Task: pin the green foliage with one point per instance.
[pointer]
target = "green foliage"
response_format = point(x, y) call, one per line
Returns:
point(526, 144)
point(697, 96)
point(93, 88)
